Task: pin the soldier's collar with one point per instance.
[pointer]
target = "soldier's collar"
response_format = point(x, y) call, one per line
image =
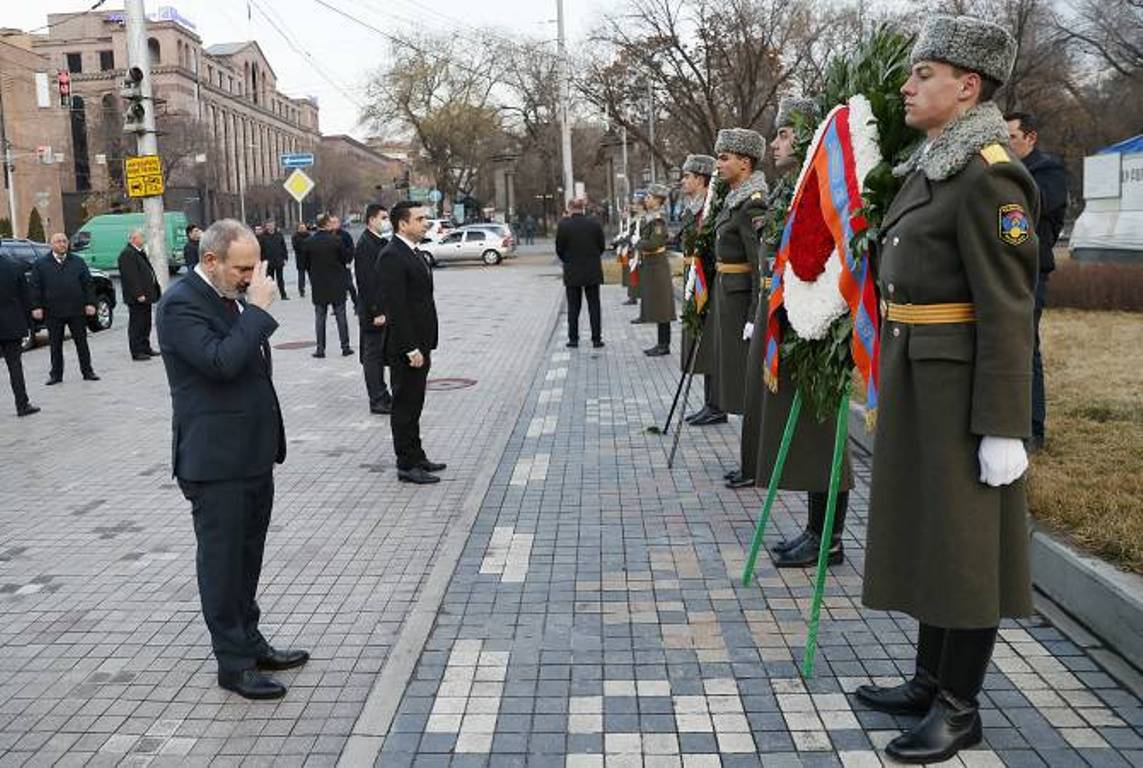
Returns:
point(755, 183)
point(961, 140)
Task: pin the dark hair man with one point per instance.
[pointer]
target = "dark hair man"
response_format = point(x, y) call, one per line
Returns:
point(405, 280)
point(190, 250)
point(63, 296)
point(579, 245)
point(140, 292)
point(273, 245)
point(372, 315)
point(228, 434)
point(1052, 181)
point(325, 260)
point(13, 329)
point(297, 241)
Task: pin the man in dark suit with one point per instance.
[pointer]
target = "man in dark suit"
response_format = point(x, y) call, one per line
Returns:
point(227, 435)
point(580, 244)
point(13, 328)
point(372, 315)
point(326, 257)
point(273, 245)
point(190, 250)
point(140, 292)
point(63, 296)
point(297, 240)
point(405, 281)
point(1052, 182)
point(347, 241)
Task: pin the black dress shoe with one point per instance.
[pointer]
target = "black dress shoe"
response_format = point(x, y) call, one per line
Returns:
point(432, 466)
point(154, 352)
point(53, 381)
point(732, 474)
point(712, 417)
point(319, 355)
point(630, 302)
point(143, 356)
point(740, 482)
point(699, 414)
point(657, 351)
point(785, 545)
point(572, 344)
point(346, 351)
point(636, 321)
point(598, 344)
point(381, 410)
point(251, 684)
point(90, 376)
point(914, 697)
point(416, 475)
point(951, 725)
point(27, 410)
point(806, 553)
point(277, 660)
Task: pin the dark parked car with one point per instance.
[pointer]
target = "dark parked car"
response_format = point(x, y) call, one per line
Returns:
point(26, 251)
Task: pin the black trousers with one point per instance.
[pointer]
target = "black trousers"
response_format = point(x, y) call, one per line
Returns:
point(12, 354)
point(373, 365)
point(1039, 404)
point(351, 288)
point(817, 511)
point(956, 658)
point(408, 403)
point(664, 335)
point(320, 312)
point(575, 303)
point(301, 282)
point(139, 328)
point(231, 518)
point(78, 327)
point(277, 270)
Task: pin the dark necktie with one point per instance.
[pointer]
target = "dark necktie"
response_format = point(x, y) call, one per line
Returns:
point(232, 305)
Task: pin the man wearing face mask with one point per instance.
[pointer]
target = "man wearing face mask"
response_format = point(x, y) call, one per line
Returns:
point(214, 336)
point(947, 531)
point(372, 315)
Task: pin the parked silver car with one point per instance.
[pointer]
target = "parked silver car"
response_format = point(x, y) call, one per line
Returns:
point(471, 243)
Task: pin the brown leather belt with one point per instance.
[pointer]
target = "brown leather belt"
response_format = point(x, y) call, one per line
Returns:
point(928, 314)
point(738, 268)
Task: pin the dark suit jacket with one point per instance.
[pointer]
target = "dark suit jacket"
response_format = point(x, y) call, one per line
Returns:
point(137, 277)
point(13, 300)
point(273, 248)
point(1052, 181)
point(298, 240)
point(405, 282)
point(326, 257)
point(61, 290)
point(226, 421)
point(190, 254)
point(368, 251)
point(580, 244)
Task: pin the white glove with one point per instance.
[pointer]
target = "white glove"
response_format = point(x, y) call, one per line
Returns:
point(1002, 460)
point(748, 331)
point(689, 290)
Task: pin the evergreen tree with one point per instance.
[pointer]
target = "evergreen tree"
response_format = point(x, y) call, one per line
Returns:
point(35, 226)
point(5, 228)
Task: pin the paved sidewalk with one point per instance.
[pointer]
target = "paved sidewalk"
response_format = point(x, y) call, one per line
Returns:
point(596, 615)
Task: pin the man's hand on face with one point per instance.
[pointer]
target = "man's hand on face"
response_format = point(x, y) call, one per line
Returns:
point(262, 290)
point(379, 320)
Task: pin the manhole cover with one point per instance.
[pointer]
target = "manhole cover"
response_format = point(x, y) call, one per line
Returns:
point(443, 385)
point(295, 344)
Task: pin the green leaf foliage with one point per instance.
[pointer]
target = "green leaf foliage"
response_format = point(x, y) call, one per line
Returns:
point(35, 226)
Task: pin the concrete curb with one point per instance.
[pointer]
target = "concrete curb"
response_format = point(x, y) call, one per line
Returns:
point(1105, 600)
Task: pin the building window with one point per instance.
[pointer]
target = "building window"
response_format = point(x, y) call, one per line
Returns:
point(106, 60)
point(74, 62)
point(155, 50)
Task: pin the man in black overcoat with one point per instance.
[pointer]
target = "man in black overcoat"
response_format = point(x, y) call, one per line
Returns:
point(140, 292)
point(273, 244)
point(13, 329)
point(326, 259)
point(64, 297)
point(580, 244)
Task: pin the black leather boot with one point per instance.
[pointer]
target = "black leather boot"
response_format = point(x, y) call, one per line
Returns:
point(914, 697)
point(951, 725)
point(806, 553)
point(785, 545)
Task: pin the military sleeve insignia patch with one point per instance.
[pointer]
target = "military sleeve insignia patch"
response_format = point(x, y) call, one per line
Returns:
point(1014, 227)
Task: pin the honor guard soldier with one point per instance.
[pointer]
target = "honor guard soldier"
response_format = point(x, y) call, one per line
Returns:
point(657, 291)
point(697, 173)
point(738, 230)
point(630, 261)
point(947, 529)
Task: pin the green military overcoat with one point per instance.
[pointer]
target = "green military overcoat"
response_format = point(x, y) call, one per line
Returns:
point(737, 236)
point(942, 546)
point(657, 290)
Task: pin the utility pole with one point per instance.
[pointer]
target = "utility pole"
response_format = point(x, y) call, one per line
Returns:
point(148, 144)
point(651, 125)
point(6, 150)
point(565, 97)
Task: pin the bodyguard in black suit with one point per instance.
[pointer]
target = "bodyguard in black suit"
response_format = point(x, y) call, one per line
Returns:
point(297, 241)
point(326, 257)
point(140, 292)
point(227, 434)
point(580, 244)
point(372, 314)
point(13, 328)
point(273, 244)
point(405, 282)
point(63, 297)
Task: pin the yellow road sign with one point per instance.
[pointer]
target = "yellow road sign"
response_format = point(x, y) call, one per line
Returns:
point(143, 176)
point(298, 184)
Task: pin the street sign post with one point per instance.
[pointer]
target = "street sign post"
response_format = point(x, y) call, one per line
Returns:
point(143, 175)
point(296, 159)
point(299, 185)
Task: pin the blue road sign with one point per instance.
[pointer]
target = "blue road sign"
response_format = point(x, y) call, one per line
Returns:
point(296, 159)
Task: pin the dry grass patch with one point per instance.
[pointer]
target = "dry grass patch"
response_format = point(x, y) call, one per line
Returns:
point(1088, 482)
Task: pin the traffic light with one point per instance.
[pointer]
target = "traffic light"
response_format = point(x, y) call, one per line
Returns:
point(133, 92)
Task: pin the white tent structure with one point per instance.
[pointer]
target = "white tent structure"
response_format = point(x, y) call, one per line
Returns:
point(1111, 225)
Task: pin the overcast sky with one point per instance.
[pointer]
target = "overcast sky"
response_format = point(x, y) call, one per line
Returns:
point(344, 50)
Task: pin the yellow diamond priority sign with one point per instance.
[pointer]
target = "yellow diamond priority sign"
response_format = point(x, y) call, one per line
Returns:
point(298, 184)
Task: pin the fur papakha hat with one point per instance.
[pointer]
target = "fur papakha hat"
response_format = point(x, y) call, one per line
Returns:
point(659, 190)
point(741, 141)
point(701, 165)
point(788, 107)
point(969, 43)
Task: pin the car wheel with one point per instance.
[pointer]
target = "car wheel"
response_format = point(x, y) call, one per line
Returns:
point(491, 257)
point(104, 315)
